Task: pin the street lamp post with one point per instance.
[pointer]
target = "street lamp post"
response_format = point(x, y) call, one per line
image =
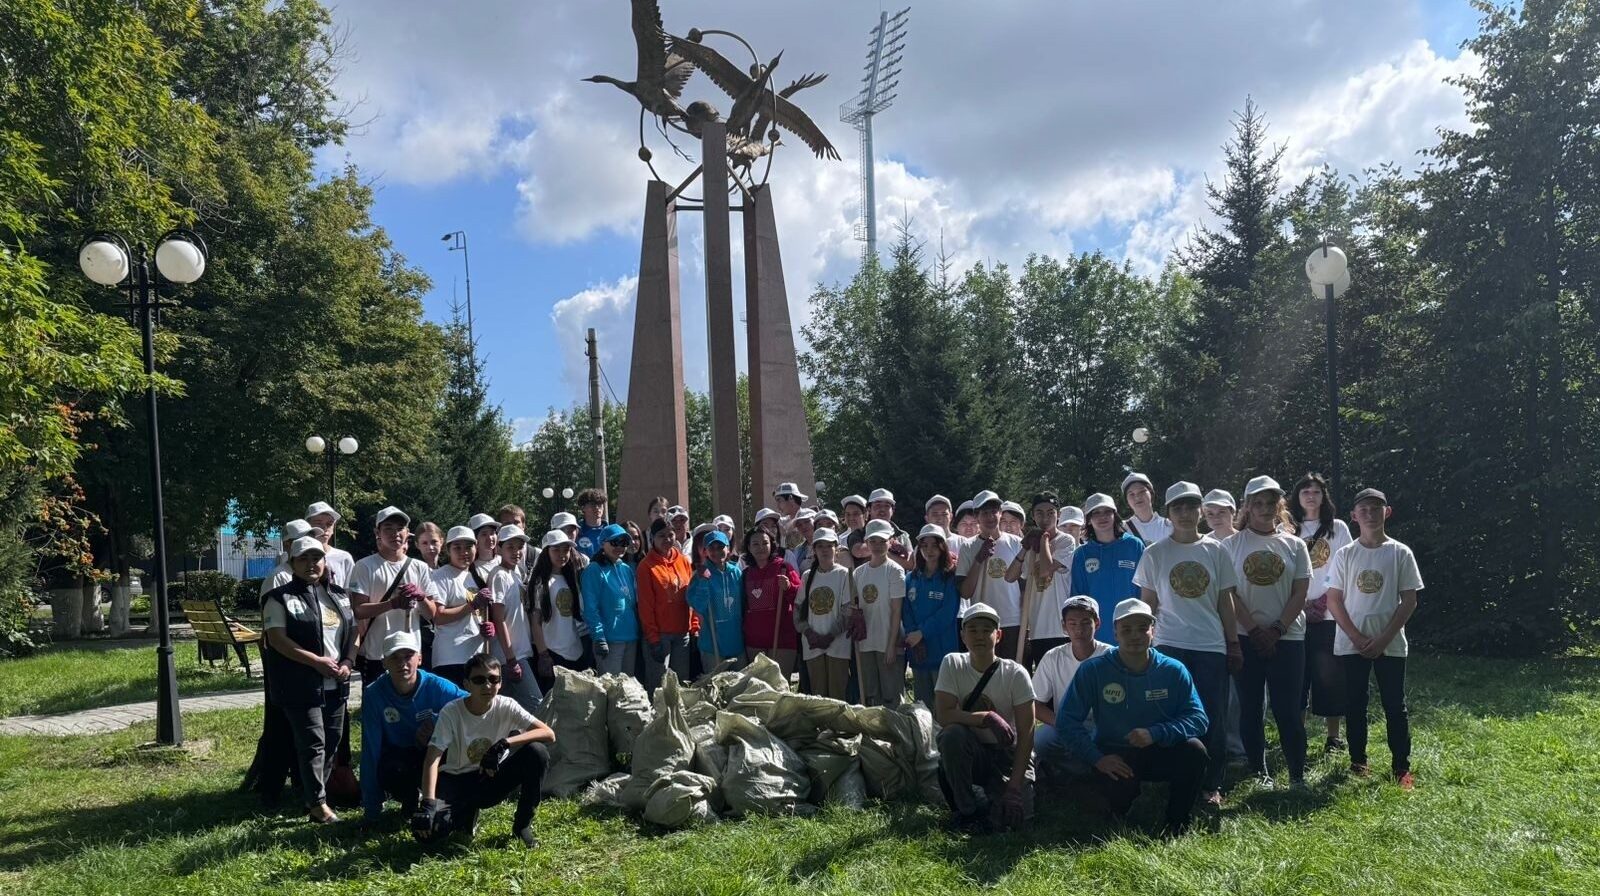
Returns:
point(550, 495)
point(1329, 272)
point(458, 241)
point(180, 258)
point(346, 446)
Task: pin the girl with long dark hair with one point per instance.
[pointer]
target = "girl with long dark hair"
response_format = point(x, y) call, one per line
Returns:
point(555, 607)
point(1312, 508)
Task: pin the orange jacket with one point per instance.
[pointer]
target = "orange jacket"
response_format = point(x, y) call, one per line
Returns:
point(663, 582)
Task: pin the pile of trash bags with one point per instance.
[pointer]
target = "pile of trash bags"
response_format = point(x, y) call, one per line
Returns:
point(734, 743)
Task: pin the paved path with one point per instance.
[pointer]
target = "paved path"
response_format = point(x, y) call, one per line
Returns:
point(115, 718)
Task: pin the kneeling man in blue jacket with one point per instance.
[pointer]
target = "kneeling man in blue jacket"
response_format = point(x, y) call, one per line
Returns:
point(397, 716)
point(1147, 720)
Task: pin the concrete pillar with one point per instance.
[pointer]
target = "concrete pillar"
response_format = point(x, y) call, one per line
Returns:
point(726, 492)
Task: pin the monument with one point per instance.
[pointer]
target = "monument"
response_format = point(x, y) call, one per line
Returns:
point(654, 455)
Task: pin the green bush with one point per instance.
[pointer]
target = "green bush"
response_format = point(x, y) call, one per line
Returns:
point(205, 585)
point(16, 606)
point(247, 595)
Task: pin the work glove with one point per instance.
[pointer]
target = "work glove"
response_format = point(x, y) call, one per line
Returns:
point(855, 625)
point(1001, 726)
point(917, 653)
point(514, 672)
point(547, 666)
point(431, 819)
point(404, 597)
point(492, 757)
point(488, 631)
point(602, 649)
point(1235, 657)
point(1011, 809)
point(482, 600)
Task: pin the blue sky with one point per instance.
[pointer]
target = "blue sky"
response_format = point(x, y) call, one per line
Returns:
point(1023, 125)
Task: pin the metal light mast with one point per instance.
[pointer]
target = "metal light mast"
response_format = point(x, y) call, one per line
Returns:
point(884, 48)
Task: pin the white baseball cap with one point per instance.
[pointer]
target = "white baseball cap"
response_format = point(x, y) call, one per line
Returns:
point(389, 513)
point(767, 513)
point(1097, 501)
point(1131, 607)
point(305, 544)
point(1180, 491)
point(296, 529)
point(854, 499)
point(979, 611)
point(966, 507)
point(1013, 507)
point(553, 538)
point(722, 520)
point(1081, 602)
point(563, 520)
point(676, 511)
point(1262, 484)
point(880, 529)
point(479, 520)
point(459, 533)
point(804, 513)
point(1131, 478)
point(510, 532)
point(320, 507)
point(933, 530)
point(880, 494)
point(399, 640)
point(1220, 498)
point(937, 499)
point(824, 534)
point(984, 497)
point(789, 490)
point(826, 514)
point(1070, 514)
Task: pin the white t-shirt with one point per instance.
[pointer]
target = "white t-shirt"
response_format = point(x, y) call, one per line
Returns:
point(1009, 688)
point(1157, 529)
point(1048, 599)
point(1188, 580)
point(1321, 552)
point(464, 737)
point(372, 577)
point(1371, 580)
point(993, 589)
point(561, 631)
point(1054, 675)
point(280, 576)
point(341, 565)
point(1266, 568)
point(274, 616)
point(486, 568)
point(454, 642)
point(506, 590)
point(827, 605)
point(879, 588)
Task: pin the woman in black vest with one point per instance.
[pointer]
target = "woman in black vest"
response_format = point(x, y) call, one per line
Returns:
point(311, 636)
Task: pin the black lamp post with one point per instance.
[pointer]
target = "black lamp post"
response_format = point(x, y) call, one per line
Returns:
point(1329, 272)
point(550, 495)
point(180, 258)
point(346, 446)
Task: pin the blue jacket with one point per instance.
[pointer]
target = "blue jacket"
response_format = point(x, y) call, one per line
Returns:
point(1162, 700)
point(719, 598)
point(390, 720)
point(589, 540)
point(1105, 573)
point(611, 601)
point(932, 605)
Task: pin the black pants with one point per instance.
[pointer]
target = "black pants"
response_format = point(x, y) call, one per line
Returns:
point(1281, 675)
point(455, 673)
point(1323, 689)
point(522, 773)
point(370, 670)
point(1391, 671)
point(965, 761)
point(317, 732)
point(1038, 647)
point(400, 775)
point(1182, 766)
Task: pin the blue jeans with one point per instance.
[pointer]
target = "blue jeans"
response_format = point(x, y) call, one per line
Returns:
point(1282, 674)
point(1051, 758)
point(1210, 674)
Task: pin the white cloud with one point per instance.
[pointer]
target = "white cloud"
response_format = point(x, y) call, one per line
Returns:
point(608, 308)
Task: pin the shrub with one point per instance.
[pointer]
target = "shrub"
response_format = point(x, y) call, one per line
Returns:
point(205, 585)
point(247, 595)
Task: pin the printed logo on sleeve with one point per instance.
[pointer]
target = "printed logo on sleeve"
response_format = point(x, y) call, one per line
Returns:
point(1112, 693)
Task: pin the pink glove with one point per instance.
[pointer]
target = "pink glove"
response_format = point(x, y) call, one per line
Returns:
point(513, 670)
point(1001, 727)
point(855, 625)
point(482, 600)
point(488, 631)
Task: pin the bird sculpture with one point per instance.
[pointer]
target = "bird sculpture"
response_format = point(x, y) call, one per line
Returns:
point(767, 104)
point(661, 75)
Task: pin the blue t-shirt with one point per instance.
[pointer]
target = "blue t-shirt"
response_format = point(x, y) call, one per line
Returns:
point(932, 604)
point(390, 720)
point(1161, 699)
point(1105, 573)
point(589, 540)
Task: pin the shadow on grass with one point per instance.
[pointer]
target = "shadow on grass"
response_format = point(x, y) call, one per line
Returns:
point(191, 683)
point(55, 834)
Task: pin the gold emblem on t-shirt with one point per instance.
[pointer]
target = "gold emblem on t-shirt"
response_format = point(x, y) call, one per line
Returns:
point(869, 594)
point(476, 748)
point(330, 616)
point(1320, 552)
point(1189, 579)
point(1370, 581)
point(794, 540)
point(996, 567)
point(822, 600)
point(1263, 568)
point(564, 603)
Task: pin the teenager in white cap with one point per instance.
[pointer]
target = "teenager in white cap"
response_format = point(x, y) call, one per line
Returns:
point(1073, 522)
point(398, 712)
point(1147, 720)
point(339, 562)
point(1311, 506)
point(678, 517)
point(988, 568)
point(1372, 592)
point(1146, 525)
point(931, 611)
point(820, 616)
point(554, 586)
point(1013, 520)
point(458, 608)
point(293, 530)
point(984, 705)
point(788, 499)
point(1046, 578)
point(568, 523)
point(879, 586)
point(384, 590)
point(938, 511)
point(964, 525)
point(513, 643)
point(853, 512)
point(880, 506)
point(1080, 617)
point(1218, 509)
point(311, 641)
point(485, 552)
point(1273, 569)
point(801, 527)
point(1189, 580)
point(1103, 565)
point(768, 521)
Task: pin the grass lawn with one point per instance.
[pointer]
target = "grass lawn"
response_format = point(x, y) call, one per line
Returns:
point(1507, 757)
point(63, 680)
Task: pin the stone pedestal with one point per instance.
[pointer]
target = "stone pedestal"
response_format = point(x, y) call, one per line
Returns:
point(727, 492)
point(780, 441)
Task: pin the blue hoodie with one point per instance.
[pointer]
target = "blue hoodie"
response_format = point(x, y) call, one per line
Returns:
point(390, 720)
point(610, 601)
point(719, 598)
point(933, 601)
point(1105, 573)
point(1161, 699)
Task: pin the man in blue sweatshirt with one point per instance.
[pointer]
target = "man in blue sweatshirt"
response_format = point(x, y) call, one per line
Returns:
point(1147, 720)
point(397, 715)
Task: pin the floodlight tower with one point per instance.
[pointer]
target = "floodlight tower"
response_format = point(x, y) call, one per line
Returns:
point(884, 47)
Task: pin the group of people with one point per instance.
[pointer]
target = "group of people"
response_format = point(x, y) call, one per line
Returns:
point(1069, 642)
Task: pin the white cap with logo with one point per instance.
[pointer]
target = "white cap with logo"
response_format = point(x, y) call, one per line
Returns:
point(306, 544)
point(459, 533)
point(1132, 607)
point(880, 529)
point(1183, 491)
point(1262, 484)
point(979, 611)
point(562, 520)
point(320, 507)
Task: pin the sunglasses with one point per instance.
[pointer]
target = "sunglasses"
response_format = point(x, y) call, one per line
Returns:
point(485, 680)
point(620, 542)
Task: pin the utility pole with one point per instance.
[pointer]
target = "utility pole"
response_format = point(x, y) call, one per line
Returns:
point(884, 49)
point(595, 420)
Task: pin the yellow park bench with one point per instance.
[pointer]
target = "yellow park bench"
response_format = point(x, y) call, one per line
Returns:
point(212, 626)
